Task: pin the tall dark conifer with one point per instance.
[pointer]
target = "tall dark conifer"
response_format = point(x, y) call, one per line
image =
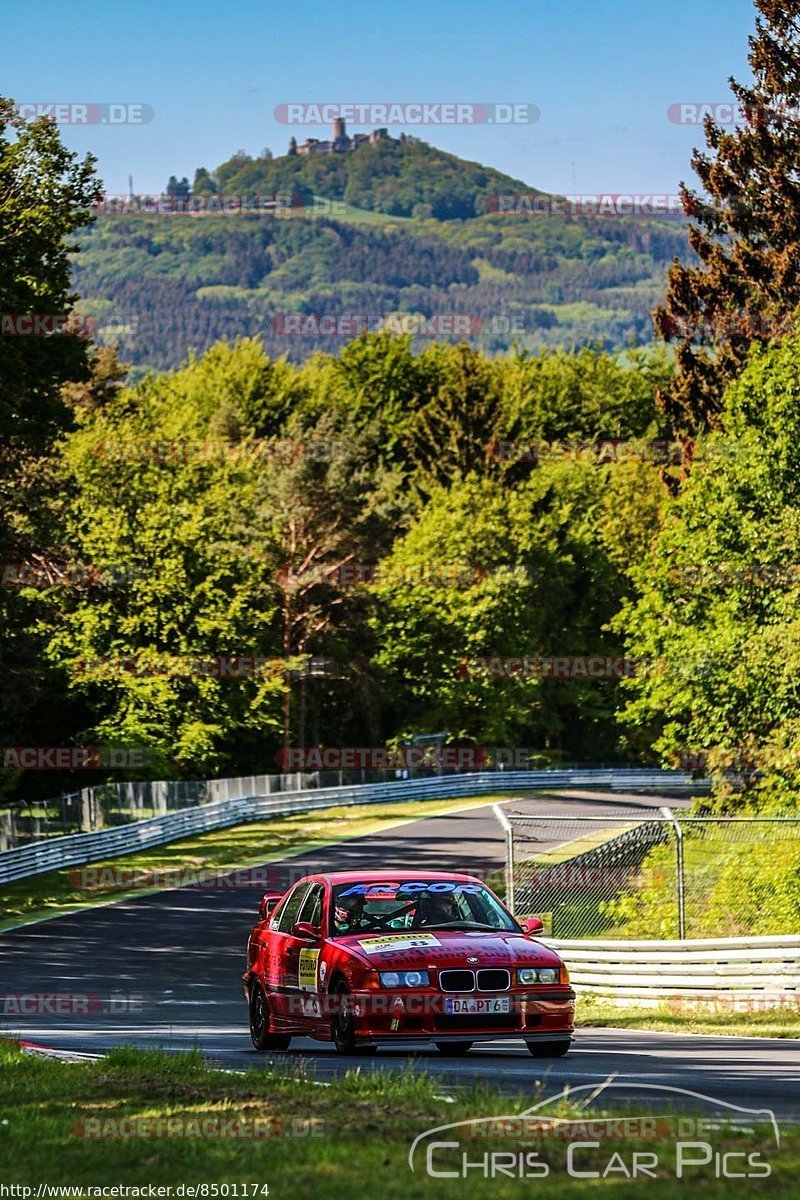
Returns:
point(745, 229)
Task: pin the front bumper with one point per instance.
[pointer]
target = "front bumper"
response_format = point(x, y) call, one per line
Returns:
point(532, 1015)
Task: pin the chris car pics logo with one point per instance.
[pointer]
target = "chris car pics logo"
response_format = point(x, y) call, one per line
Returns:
point(533, 1145)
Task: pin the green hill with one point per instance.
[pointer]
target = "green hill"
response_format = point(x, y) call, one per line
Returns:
point(400, 227)
point(400, 177)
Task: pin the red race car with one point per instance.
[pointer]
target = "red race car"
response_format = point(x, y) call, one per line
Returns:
point(359, 958)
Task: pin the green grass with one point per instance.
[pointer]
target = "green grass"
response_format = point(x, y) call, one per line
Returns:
point(690, 1017)
point(348, 1138)
point(240, 846)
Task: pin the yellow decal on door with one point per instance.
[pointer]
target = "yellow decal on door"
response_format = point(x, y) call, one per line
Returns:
point(307, 970)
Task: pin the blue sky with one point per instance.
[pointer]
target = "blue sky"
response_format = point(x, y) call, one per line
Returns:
point(602, 73)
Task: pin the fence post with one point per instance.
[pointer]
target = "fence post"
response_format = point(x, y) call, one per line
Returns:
point(670, 815)
point(508, 829)
point(6, 831)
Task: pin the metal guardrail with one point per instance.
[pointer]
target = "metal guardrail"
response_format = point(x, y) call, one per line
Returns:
point(80, 848)
point(757, 972)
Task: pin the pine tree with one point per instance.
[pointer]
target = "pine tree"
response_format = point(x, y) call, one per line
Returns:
point(745, 230)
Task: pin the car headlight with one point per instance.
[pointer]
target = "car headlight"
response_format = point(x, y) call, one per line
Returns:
point(393, 979)
point(530, 975)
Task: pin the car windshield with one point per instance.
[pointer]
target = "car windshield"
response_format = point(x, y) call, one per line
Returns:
point(416, 904)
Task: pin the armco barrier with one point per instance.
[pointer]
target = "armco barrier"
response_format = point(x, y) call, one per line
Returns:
point(758, 973)
point(79, 848)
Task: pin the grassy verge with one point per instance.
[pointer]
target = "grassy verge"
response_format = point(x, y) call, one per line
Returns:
point(689, 1017)
point(240, 846)
point(350, 1138)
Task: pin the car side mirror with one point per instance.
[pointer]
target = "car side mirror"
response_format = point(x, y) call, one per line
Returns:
point(532, 925)
point(268, 904)
point(304, 929)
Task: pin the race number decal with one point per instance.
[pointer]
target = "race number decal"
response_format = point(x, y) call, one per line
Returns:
point(307, 970)
point(410, 941)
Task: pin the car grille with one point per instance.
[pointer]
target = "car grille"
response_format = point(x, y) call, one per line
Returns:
point(494, 980)
point(457, 981)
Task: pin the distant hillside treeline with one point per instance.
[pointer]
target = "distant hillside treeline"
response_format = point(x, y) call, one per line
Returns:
point(163, 285)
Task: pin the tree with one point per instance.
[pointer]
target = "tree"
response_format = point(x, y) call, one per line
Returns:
point(204, 184)
point(745, 230)
point(45, 196)
point(719, 593)
point(159, 491)
point(490, 571)
point(329, 507)
point(178, 189)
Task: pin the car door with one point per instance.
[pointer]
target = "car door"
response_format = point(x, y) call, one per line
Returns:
point(300, 983)
point(275, 964)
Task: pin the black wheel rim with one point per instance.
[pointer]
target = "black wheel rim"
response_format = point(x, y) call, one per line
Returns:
point(344, 1021)
point(258, 1015)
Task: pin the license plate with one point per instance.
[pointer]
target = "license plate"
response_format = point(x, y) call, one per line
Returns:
point(477, 1004)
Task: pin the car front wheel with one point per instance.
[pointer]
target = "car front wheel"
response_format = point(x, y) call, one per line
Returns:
point(343, 1024)
point(261, 1033)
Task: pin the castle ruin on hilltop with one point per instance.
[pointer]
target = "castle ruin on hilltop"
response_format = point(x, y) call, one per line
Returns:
point(340, 143)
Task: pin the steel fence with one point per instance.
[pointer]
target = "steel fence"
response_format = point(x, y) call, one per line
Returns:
point(660, 874)
point(92, 844)
point(109, 804)
point(92, 809)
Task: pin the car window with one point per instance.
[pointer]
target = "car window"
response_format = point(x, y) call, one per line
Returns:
point(415, 904)
point(286, 916)
point(312, 906)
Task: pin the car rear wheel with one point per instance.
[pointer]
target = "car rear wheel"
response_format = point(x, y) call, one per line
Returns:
point(343, 1024)
point(548, 1049)
point(261, 1034)
point(456, 1048)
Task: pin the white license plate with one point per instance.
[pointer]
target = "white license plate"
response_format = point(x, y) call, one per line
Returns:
point(477, 1004)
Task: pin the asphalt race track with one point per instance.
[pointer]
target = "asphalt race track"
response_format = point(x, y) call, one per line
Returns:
point(164, 969)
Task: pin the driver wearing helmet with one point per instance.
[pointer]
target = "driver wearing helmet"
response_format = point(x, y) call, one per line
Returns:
point(437, 908)
point(349, 913)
